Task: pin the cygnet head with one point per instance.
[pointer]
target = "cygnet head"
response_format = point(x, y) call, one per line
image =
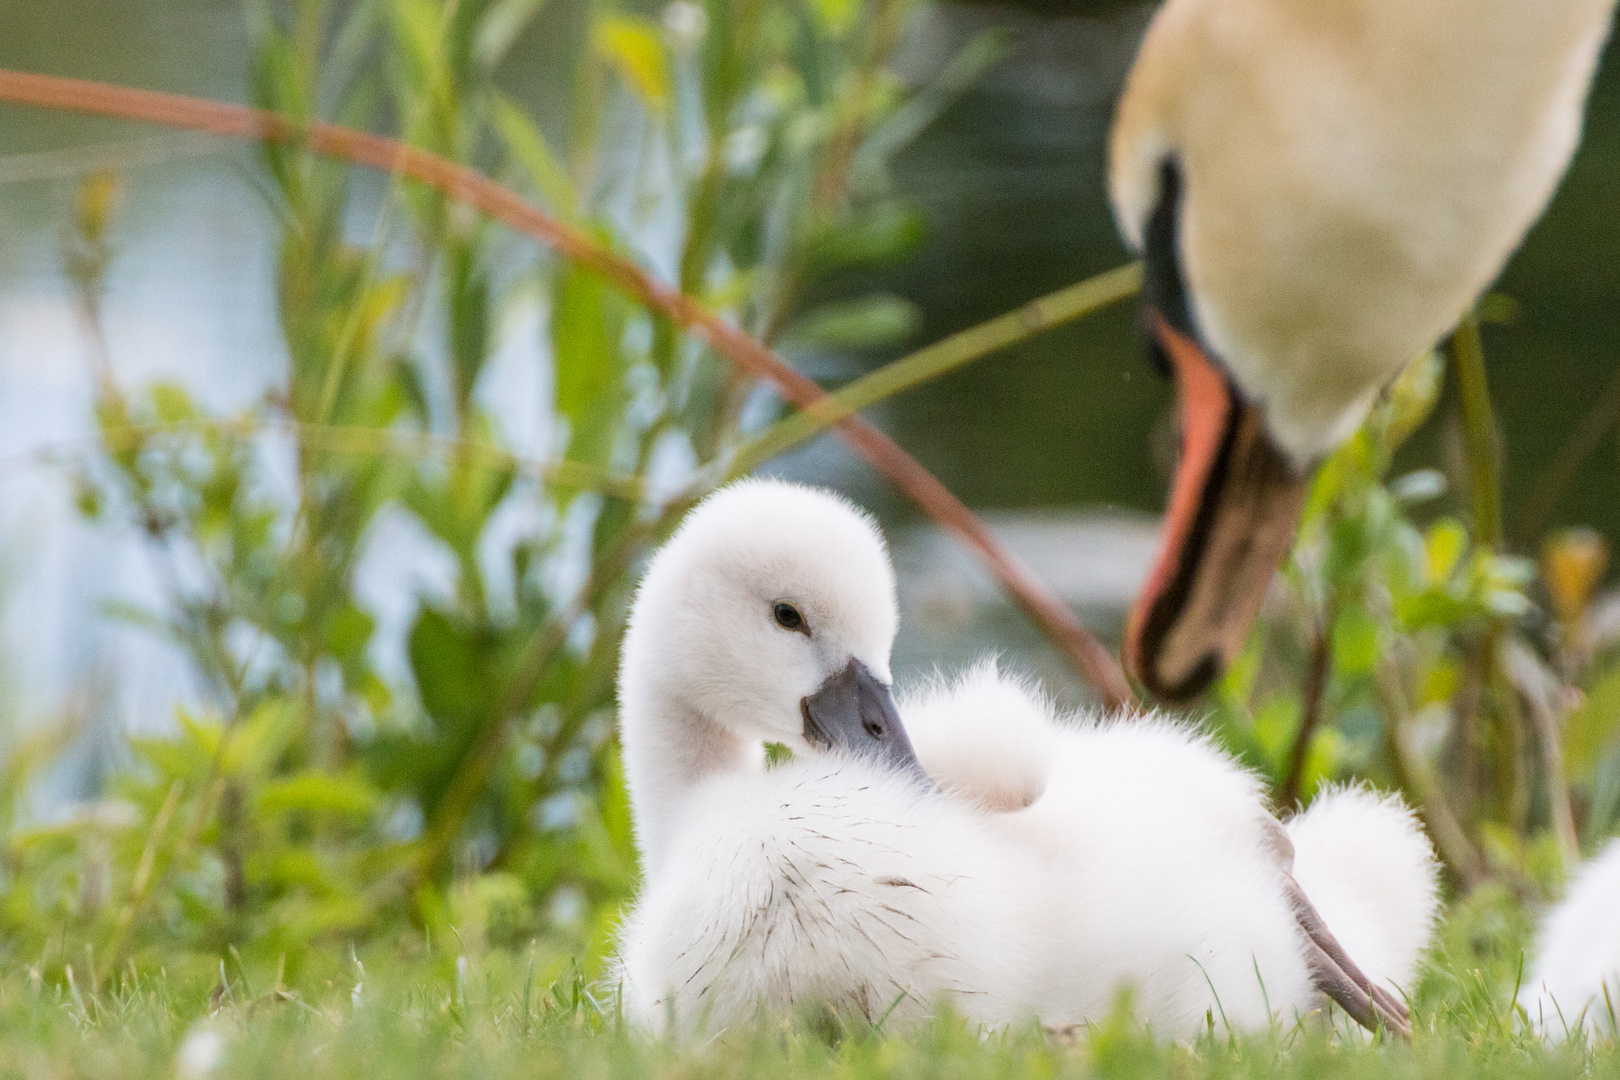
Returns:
point(769, 615)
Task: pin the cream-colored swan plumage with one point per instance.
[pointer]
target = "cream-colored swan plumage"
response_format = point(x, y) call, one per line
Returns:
point(1574, 983)
point(1053, 868)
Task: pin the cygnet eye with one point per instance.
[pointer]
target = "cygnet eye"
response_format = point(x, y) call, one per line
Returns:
point(788, 617)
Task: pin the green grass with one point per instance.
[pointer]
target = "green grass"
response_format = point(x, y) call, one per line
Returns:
point(512, 1014)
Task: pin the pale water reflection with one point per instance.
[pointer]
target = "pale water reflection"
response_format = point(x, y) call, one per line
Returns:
point(1011, 182)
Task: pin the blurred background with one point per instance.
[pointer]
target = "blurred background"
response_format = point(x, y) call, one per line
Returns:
point(372, 673)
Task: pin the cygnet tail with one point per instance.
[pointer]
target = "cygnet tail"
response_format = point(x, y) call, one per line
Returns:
point(1365, 863)
point(985, 736)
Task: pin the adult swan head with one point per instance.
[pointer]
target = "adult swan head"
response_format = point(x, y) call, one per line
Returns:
point(1319, 189)
point(768, 617)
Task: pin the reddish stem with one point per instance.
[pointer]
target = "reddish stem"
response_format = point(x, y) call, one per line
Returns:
point(1093, 662)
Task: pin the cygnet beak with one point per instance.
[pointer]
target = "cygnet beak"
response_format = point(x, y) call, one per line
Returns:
point(854, 711)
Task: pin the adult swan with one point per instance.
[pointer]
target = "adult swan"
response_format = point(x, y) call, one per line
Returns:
point(1319, 190)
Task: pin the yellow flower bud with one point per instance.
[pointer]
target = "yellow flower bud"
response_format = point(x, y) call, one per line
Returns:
point(1572, 564)
point(97, 199)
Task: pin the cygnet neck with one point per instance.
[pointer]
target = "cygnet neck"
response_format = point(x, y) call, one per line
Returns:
point(670, 749)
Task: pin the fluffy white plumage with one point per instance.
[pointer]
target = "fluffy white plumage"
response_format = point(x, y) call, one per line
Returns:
point(833, 883)
point(706, 677)
point(1158, 849)
point(1578, 955)
point(1057, 865)
point(1367, 865)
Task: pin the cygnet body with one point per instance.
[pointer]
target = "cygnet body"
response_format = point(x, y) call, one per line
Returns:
point(1054, 867)
point(1575, 981)
point(1163, 862)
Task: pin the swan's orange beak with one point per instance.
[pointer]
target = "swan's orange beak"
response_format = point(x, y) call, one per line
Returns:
point(1233, 510)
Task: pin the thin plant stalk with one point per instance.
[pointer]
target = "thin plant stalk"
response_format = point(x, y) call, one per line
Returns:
point(1542, 693)
point(1039, 315)
point(1482, 449)
point(359, 440)
point(1557, 781)
point(1410, 775)
point(1588, 435)
point(1091, 660)
point(1310, 717)
point(1480, 439)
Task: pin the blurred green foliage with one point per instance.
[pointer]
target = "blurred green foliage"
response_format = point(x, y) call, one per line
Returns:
point(313, 805)
point(309, 800)
point(1403, 648)
point(508, 1015)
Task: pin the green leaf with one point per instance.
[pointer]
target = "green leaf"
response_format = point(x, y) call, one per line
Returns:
point(883, 232)
point(456, 506)
point(634, 48)
point(187, 755)
point(836, 16)
point(1355, 642)
point(1498, 309)
point(499, 28)
point(331, 914)
point(1432, 607)
point(601, 859)
point(869, 171)
point(255, 742)
point(1439, 681)
point(1590, 728)
point(1275, 725)
point(1237, 684)
point(416, 36)
point(376, 303)
point(1605, 809)
point(1322, 760)
point(453, 669)
point(868, 322)
point(529, 148)
point(338, 794)
point(287, 867)
point(587, 329)
point(1445, 543)
point(469, 330)
point(347, 631)
point(613, 797)
point(172, 404)
point(1411, 398)
point(378, 697)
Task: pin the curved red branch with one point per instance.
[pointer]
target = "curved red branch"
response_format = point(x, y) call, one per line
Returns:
point(1093, 662)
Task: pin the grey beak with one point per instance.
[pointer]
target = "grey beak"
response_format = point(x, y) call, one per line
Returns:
point(854, 711)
